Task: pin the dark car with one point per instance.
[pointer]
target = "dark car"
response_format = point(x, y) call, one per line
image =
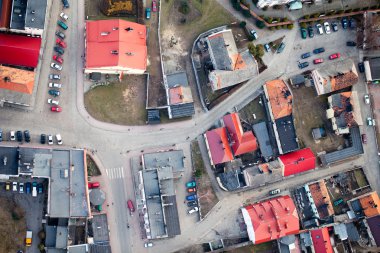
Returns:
point(281, 47)
point(305, 55)
point(65, 3)
point(364, 138)
point(192, 203)
point(311, 31)
point(361, 67)
point(303, 33)
point(1, 135)
point(28, 187)
point(303, 65)
point(54, 93)
point(344, 23)
point(27, 136)
point(334, 26)
point(40, 188)
point(43, 139)
point(319, 50)
point(351, 44)
point(352, 23)
point(19, 136)
point(191, 197)
point(59, 50)
point(60, 34)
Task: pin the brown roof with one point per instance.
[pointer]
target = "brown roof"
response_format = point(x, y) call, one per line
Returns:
point(370, 204)
point(321, 199)
point(280, 98)
point(18, 80)
point(5, 13)
point(343, 81)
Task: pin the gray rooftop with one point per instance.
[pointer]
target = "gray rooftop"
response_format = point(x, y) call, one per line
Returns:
point(100, 228)
point(305, 239)
point(28, 158)
point(171, 215)
point(341, 231)
point(51, 235)
point(62, 237)
point(355, 149)
point(352, 231)
point(166, 183)
point(177, 79)
point(35, 14)
point(42, 165)
point(151, 185)
point(54, 250)
point(287, 134)
point(374, 64)
point(172, 159)
point(99, 248)
point(222, 48)
point(11, 97)
point(297, 80)
point(10, 167)
point(78, 249)
point(78, 197)
point(182, 110)
point(261, 132)
point(156, 217)
point(18, 14)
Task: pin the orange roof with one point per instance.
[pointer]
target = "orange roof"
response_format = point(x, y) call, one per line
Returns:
point(370, 204)
point(280, 98)
point(271, 219)
point(241, 142)
point(217, 142)
point(126, 39)
point(321, 199)
point(18, 80)
point(180, 94)
point(321, 240)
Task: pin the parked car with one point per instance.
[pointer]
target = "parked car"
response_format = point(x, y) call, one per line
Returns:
point(334, 26)
point(190, 184)
point(34, 189)
point(327, 27)
point(65, 3)
point(366, 99)
point(92, 185)
point(40, 188)
point(19, 136)
point(334, 56)
point(54, 93)
point(59, 139)
point(281, 48)
point(191, 197)
point(14, 186)
point(60, 35)
point(56, 108)
point(147, 13)
point(311, 31)
point(364, 138)
point(55, 66)
point(361, 67)
point(54, 77)
point(352, 23)
point(7, 186)
point(319, 50)
point(130, 205)
point(193, 210)
point(154, 6)
point(319, 28)
point(267, 47)
point(27, 135)
point(369, 121)
point(305, 55)
point(28, 187)
point(254, 34)
point(1, 135)
point(64, 16)
point(192, 203)
point(13, 136)
point(55, 85)
point(351, 44)
point(53, 102)
point(62, 24)
point(344, 23)
point(148, 244)
point(59, 50)
point(274, 192)
point(318, 61)
point(50, 139)
point(21, 187)
point(60, 43)
point(43, 139)
point(191, 189)
point(58, 59)
point(303, 33)
point(302, 65)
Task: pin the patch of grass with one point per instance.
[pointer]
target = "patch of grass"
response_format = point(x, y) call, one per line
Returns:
point(253, 108)
point(92, 168)
point(198, 164)
point(360, 178)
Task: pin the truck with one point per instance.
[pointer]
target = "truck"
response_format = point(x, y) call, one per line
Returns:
point(28, 239)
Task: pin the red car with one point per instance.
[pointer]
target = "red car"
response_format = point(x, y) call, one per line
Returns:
point(92, 185)
point(56, 108)
point(191, 189)
point(364, 138)
point(318, 61)
point(154, 6)
point(57, 59)
point(334, 56)
point(61, 43)
point(130, 206)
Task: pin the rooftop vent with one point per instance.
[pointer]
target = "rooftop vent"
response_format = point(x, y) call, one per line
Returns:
point(104, 33)
point(7, 79)
point(115, 28)
point(33, 11)
point(128, 29)
point(114, 52)
point(129, 53)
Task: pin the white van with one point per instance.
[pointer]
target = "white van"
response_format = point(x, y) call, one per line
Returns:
point(34, 189)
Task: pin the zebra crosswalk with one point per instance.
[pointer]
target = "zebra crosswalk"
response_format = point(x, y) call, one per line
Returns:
point(114, 173)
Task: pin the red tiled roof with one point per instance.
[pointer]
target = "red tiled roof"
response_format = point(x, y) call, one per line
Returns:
point(297, 161)
point(271, 219)
point(18, 80)
point(5, 13)
point(321, 240)
point(218, 145)
point(104, 36)
point(19, 50)
point(241, 142)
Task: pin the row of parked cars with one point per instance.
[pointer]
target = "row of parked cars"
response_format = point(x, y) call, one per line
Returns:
point(320, 50)
point(326, 28)
point(28, 187)
point(192, 198)
point(54, 86)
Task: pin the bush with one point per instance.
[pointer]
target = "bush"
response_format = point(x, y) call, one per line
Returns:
point(306, 17)
point(259, 51)
point(271, 28)
point(184, 7)
point(276, 19)
point(265, 8)
point(284, 26)
point(250, 37)
point(269, 20)
point(303, 25)
point(255, 2)
point(278, 27)
point(340, 11)
point(260, 24)
point(290, 26)
point(277, 7)
point(246, 13)
point(285, 19)
point(198, 173)
point(242, 24)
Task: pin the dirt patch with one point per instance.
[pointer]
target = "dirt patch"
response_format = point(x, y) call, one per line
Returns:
point(92, 12)
point(112, 103)
point(309, 111)
point(253, 112)
point(13, 226)
point(206, 194)
point(92, 168)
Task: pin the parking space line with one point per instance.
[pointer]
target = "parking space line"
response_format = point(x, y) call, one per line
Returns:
point(122, 172)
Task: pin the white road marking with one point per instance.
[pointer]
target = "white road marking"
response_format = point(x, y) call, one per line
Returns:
point(122, 172)
point(114, 173)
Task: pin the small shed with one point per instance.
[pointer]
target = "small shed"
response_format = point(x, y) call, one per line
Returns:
point(154, 116)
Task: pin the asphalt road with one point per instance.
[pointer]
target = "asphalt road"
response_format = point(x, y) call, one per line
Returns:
point(112, 142)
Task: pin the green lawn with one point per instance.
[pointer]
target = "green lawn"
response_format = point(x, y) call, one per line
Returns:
point(360, 178)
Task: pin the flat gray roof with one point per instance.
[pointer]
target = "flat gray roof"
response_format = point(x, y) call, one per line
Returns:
point(177, 79)
point(374, 64)
point(35, 14)
point(100, 228)
point(151, 182)
point(50, 236)
point(62, 237)
point(156, 217)
point(78, 197)
point(171, 215)
point(78, 249)
point(18, 14)
point(54, 250)
point(165, 177)
point(42, 165)
point(94, 248)
point(222, 47)
point(262, 135)
point(10, 167)
point(172, 159)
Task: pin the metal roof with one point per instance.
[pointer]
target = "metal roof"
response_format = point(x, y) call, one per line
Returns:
point(8, 161)
point(171, 215)
point(18, 14)
point(182, 110)
point(35, 14)
point(172, 159)
point(94, 248)
point(177, 79)
point(154, 117)
point(62, 237)
point(287, 134)
point(100, 228)
point(79, 206)
point(78, 248)
point(374, 64)
point(261, 133)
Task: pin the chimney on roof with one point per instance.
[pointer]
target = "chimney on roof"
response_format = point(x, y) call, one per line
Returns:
point(129, 53)
point(115, 28)
point(114, 52)
point(7, 79)
point(33, 11)
point(104, 33)
point(128, 29)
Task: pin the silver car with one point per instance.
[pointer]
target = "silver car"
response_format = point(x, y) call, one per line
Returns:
point(327, 27)
point(55, 66)
point(55, 85)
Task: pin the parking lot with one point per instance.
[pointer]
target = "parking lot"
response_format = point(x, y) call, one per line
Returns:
point(34, 207)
